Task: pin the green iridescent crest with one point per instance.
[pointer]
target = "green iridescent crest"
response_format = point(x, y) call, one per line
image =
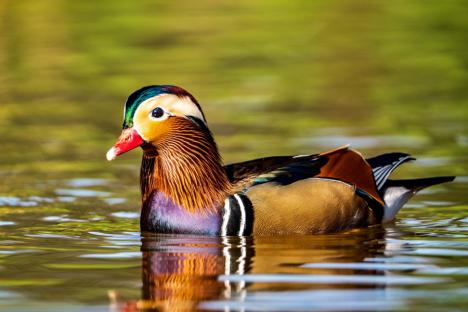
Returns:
point(143, 94)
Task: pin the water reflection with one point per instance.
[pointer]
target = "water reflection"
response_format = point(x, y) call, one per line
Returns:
point(179, 272)
point(184, 273)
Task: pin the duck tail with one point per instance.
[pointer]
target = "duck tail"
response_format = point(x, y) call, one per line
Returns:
point(397, 192)
point(383, 165)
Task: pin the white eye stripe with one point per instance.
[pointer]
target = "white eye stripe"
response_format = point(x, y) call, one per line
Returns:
point(173, 106)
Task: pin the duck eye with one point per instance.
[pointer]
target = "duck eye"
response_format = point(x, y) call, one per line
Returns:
point(158, 112)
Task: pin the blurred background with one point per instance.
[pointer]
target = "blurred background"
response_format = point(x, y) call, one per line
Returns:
point(273, 77)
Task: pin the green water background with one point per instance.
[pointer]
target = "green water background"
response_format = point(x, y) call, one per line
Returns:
point(273, 77)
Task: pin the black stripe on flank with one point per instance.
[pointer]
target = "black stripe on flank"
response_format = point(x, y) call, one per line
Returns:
point(235, 216)
point(249, 214)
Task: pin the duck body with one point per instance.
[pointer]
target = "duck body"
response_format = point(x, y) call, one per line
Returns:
point(186, 189)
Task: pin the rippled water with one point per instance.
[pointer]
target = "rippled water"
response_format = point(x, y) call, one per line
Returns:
point(274, 77)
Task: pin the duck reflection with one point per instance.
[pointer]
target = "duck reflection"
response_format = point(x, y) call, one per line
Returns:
point(179, 272)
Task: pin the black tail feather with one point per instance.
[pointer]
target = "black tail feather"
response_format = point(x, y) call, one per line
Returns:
point(396, 193)
point(418, 184)
point(386, 159)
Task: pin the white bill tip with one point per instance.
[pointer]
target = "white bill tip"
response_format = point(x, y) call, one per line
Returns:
point(111, 154)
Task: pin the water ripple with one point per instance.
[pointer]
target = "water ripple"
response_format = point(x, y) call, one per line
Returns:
point(81, 193)
point(370, 266)
point(86, 182)
point(117, 255)
point(332, 279)
point(126, 215)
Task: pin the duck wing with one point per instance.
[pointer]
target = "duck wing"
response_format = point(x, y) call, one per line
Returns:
point(246, 172)
point(343, 164)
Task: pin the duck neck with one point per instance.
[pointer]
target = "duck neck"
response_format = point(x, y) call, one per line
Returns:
point(184, 173)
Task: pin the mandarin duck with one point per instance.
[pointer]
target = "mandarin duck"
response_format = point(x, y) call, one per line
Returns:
point(186, 188)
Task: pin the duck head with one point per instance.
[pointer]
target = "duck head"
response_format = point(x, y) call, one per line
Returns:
point(152, 114)
point(180, 156)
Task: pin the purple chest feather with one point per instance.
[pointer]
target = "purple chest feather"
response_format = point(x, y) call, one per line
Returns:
point(162, 215)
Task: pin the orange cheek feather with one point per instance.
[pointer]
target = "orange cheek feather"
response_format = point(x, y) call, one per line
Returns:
point(155, 131)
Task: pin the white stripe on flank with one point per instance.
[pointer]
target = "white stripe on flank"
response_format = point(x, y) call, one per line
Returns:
point(226, 216)
point(242, 210)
